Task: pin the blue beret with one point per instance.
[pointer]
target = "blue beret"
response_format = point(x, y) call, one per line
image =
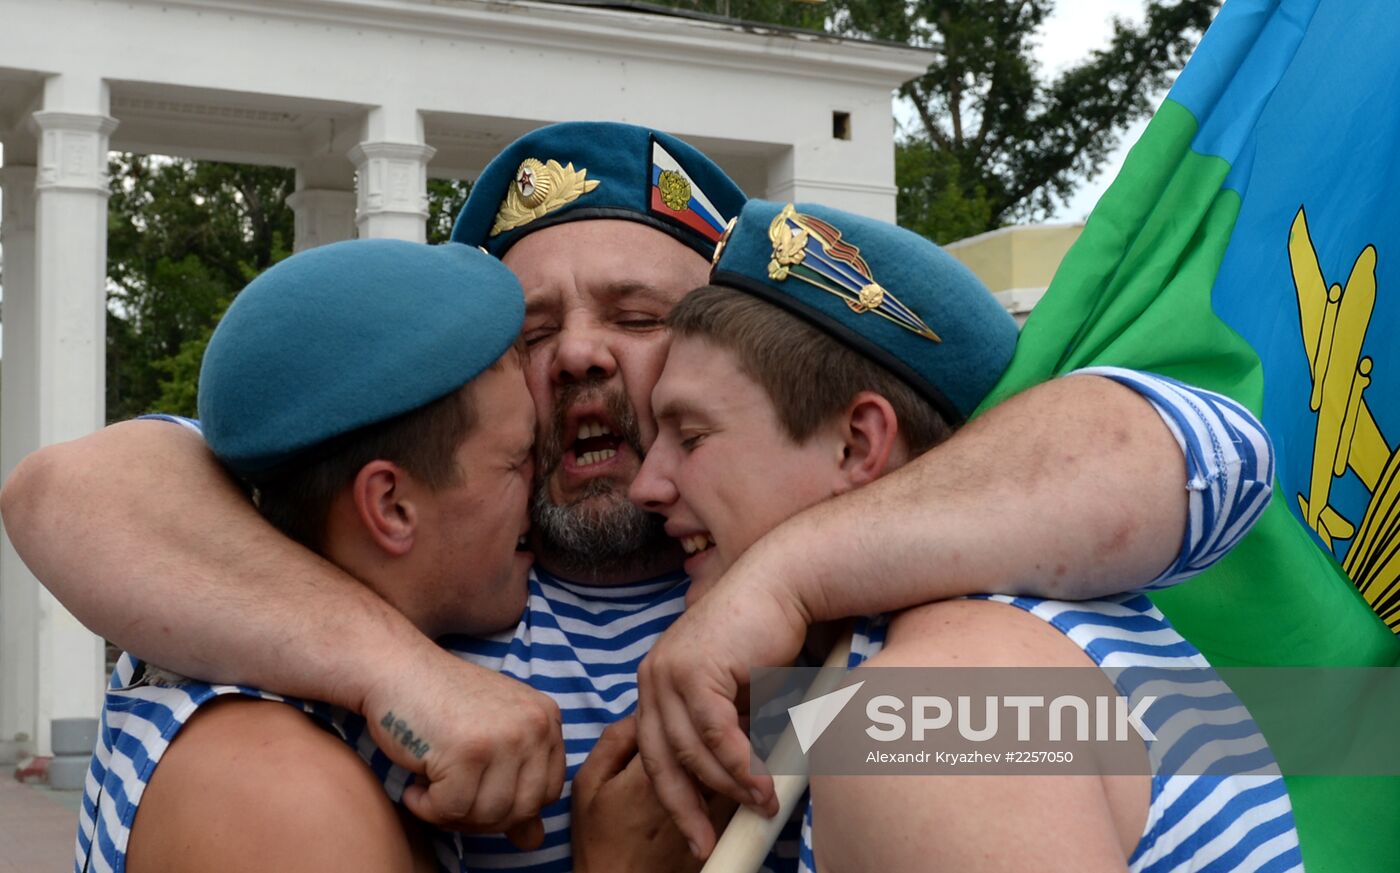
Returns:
point(888, 293)
point(596, 169)
point(346, 335)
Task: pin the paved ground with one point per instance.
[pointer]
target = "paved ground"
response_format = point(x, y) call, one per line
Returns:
point(37, 827)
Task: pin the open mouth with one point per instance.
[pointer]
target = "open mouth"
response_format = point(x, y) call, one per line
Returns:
point(594, 444)
point(696, 543)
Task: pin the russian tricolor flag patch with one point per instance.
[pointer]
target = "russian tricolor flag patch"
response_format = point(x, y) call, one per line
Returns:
point(674, 195)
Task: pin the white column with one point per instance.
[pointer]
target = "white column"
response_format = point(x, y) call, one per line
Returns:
point(19, 435)
point(70, 284)
point(391, 164)
point(324, 202)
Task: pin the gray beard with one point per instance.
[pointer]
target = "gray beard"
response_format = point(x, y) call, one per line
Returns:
point(601, 534)
point(598, 535)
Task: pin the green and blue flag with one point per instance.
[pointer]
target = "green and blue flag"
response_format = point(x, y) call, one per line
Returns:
point(1251, 245)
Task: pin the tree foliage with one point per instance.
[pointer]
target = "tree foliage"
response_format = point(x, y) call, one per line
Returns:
point(994, 139)
point(445, 199)
point(183, 238)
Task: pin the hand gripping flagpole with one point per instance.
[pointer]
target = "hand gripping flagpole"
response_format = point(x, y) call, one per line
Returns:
point(749, 836)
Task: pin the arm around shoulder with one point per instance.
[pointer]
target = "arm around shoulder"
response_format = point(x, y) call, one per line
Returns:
point(143, 536)
point(109, 492)
point(1070, 490)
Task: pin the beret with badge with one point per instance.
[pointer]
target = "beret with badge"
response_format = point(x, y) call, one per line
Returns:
point(594, 169)
point(888, 293)
point(346, 335)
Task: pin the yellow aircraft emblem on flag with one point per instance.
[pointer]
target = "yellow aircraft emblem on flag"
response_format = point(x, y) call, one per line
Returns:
point(1334, 321)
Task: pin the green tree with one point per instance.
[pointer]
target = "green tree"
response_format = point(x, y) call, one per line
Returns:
point(445, 199)
point(994, 139)
point(183, 239)
point(931, 198)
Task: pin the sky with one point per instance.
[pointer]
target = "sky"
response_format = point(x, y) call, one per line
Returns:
point(1076, 27)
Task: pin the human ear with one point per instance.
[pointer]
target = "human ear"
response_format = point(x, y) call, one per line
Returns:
point(385, 507)
point(870, 431)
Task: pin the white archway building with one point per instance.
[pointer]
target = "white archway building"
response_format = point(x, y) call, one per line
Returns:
point(388, 92)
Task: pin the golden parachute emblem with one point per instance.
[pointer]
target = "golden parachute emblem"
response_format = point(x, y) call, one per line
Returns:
point(832, 265)
point(789, 249)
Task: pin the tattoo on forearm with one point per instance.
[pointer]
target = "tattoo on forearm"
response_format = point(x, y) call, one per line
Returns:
point(416, 745)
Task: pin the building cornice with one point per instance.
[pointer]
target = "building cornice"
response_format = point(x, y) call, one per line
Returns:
point(571, 28)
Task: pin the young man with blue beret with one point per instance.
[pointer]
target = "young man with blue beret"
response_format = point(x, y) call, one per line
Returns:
point(607, 226)
point(370, 396)
point(829, 351)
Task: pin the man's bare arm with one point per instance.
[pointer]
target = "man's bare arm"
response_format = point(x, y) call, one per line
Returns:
point(1073, 490)
point(138, 531)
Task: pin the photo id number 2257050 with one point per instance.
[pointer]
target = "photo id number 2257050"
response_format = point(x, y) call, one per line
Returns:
point(1040, 757)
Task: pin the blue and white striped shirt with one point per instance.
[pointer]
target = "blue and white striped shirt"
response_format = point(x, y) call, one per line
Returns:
point(1229, 466)
point(582, 646)
point(1237, 818)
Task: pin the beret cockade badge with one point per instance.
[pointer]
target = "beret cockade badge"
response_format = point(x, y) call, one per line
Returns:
point(538, 189)
point(836, 267)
